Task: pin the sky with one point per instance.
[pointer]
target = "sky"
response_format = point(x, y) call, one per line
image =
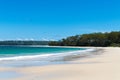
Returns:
point(56, 19)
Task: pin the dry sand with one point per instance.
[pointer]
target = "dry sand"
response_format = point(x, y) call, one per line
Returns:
point(105, 66)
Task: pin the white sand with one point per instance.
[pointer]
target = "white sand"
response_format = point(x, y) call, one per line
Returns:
point(101, 67)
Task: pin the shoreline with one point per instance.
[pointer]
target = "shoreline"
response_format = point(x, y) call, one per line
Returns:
point(45, 59)
point(99, 67)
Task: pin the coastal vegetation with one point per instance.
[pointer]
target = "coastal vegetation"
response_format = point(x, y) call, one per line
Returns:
point(92, 39)
point(24, 42)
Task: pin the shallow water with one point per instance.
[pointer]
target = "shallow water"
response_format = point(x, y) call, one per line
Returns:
point(6, 75)
point(10, 51)
point(23, 56)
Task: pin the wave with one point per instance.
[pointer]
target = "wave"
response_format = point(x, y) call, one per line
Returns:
point(45, 56)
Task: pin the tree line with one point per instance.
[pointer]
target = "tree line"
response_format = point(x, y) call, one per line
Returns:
point(24, 42)
point(92, 39)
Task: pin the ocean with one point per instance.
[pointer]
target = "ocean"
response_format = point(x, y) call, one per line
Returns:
point(17, 56)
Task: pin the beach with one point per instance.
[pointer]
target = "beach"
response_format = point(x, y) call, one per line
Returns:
point(102, 66)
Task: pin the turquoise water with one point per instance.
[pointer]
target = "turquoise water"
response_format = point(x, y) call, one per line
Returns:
point(11, 51)
point(17, 56)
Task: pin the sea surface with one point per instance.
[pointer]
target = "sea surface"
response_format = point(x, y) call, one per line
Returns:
point(19, 56)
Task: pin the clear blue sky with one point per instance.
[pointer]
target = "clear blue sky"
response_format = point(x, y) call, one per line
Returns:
point(56, 19)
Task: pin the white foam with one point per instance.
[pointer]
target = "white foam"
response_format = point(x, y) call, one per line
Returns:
point(44, 55)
